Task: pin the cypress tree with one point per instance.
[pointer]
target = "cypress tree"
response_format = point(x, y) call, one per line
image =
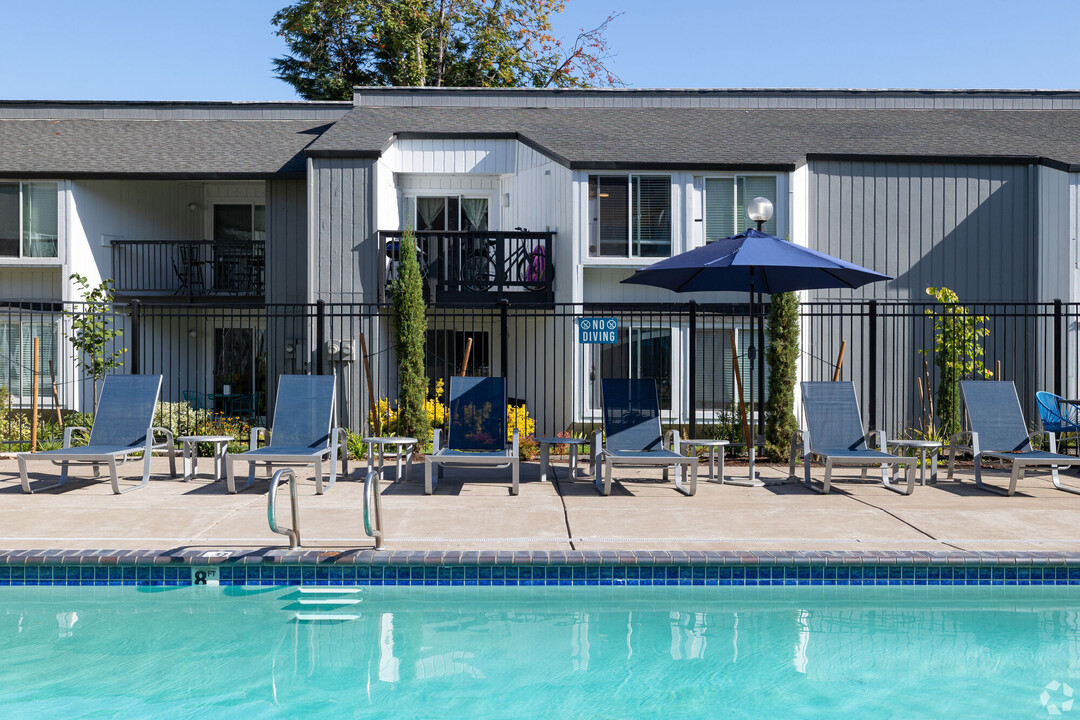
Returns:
point(410, 314)
point(782, 355)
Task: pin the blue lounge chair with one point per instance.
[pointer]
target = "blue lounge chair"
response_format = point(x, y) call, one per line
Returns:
point(834, 433)
point(476, 431)
point(634, 436)
point(122, 427)
point(997, 430)
point(302, 432)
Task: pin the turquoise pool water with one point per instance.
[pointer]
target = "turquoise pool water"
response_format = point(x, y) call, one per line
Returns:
point(539, 652)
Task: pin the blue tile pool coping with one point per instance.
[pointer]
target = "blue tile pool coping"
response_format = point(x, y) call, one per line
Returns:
point(277, 567)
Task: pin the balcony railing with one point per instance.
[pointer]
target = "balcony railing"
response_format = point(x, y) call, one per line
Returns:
point(477, 266)
point(188, 268)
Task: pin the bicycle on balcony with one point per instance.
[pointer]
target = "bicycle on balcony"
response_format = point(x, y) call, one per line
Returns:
point(528, 267)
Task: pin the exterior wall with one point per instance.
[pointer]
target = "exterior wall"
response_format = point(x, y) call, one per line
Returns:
point(1054, 244)
point(286, 241)
point(30, 283)
point(342, 238)
point(968, 227)
point(449, 156)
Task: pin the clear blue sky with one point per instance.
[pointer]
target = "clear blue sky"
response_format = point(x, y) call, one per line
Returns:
point(221, 49)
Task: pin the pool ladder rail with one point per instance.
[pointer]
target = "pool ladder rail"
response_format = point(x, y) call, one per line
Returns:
point(373, 523)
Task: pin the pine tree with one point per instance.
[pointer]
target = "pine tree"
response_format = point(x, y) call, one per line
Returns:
point(782, 355)
point(411, 316)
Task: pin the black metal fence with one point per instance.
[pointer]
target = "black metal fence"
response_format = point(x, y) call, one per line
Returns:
point(193, 269)
point(220, 362)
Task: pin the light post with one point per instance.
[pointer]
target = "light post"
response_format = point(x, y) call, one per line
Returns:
point(759, 210)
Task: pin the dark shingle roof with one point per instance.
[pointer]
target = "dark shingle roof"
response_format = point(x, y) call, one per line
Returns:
point(598, 137)
point(177, 148)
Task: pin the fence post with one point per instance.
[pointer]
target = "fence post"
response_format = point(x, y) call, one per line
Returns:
point(504, 328)
point(692, 380)
point(873, 370)
point(136, 344)
point(1059, 366)
point(320, 334)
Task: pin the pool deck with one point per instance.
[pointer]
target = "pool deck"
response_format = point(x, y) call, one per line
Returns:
point(473, 510)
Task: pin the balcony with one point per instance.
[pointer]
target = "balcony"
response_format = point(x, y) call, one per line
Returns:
point(189, 270)
point(477, 267)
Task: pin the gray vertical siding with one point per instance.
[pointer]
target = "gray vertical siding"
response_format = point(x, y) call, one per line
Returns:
point(286, 241)
point(343, 238)
point(966, 226)
point(1053, 235)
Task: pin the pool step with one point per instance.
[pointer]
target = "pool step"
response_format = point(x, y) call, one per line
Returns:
point(329, 601)
point(324, 617)
point(324, 590)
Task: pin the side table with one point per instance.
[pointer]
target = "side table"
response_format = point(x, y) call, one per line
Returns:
point(922, 446)
point(399, 444)
point(716, 455)
point(191, 453)
point(574, 443)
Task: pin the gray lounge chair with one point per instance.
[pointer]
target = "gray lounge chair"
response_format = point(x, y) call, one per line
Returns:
point(302, 432)
point(998, 431)
point(476, 431)
point(634, 435)
point(834, 433)
point(122, 427)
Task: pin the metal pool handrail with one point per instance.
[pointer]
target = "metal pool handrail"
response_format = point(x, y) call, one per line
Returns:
point(292, 533)
point(371, 500)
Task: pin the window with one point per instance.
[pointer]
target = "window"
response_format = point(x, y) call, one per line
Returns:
point(725, 204)
point(29, 219)
point(630, 215)
point(453, 212)
point(239, 371)
point(715, 371)
point(239, 248)
point(640, 353)
point(17, 355)
point(239, 224)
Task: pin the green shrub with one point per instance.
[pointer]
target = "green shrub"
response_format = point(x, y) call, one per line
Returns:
point(410, 312)
point(782, 356)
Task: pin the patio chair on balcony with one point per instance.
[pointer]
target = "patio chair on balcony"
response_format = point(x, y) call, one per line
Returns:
point(476, 431)
point(302, 432)
point(834, 433)
point(634, 436)
point(997, 431)
point(122, 427)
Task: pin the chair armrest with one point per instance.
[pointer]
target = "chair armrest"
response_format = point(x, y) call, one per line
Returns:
point(1040, 433)
point(436, 440)
point(598, 444)
point(254, 442)
point(341, 438)
point(169, 440)
point(672, 440)
point(963, 434)
point(883, 442)
point(69, 431)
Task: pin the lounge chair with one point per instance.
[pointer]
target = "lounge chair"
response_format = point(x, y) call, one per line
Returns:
point(834, 433)
point(476, 431)
point(122, 427)
point(998, 431)
point(634, 436)
point(302, 432)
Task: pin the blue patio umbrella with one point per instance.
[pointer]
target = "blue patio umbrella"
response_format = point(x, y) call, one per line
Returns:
point(753, 261)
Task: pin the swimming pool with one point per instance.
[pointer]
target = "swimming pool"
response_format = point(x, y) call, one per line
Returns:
point(560, 652)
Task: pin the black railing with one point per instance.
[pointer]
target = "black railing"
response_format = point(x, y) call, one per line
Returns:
point(477, 266)
point(225, 358)
point(188, 268)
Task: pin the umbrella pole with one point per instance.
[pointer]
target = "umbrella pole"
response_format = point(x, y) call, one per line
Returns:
point(751, 444)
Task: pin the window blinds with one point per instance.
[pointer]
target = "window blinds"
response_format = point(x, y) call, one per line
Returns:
point(651, 215)
point(726, 200)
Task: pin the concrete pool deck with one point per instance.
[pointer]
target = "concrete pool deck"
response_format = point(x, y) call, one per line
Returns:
point(473, 510)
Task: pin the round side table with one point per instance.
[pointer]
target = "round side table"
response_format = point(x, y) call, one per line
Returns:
point(190, 443)
point(922, 446)
point(399, 444)
point(545, 450)
point(716, 455)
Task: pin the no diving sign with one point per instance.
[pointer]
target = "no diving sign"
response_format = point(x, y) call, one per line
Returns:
point(598, 330)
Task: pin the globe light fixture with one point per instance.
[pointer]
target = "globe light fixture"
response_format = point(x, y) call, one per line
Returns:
point(760, 210)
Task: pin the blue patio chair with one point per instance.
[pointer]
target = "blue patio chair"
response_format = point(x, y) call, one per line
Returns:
point(476, 431)
point(302, 432)
point(1058, 417)
point(122, 427)
point(997, 430)
point(634, 437)
point(834, 433)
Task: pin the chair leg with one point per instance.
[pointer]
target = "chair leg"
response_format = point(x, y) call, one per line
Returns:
point(429, 476)
point(319, 475)
point(97, 470)
point(1057, 482)
point(112, 475)
point(408, 465)
point(598, 475)
point(24, 478)
point(609, 471)
point(172, 461)
point(827, 485)
point(333, 473)
point(515, 472)
point(952, 462)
